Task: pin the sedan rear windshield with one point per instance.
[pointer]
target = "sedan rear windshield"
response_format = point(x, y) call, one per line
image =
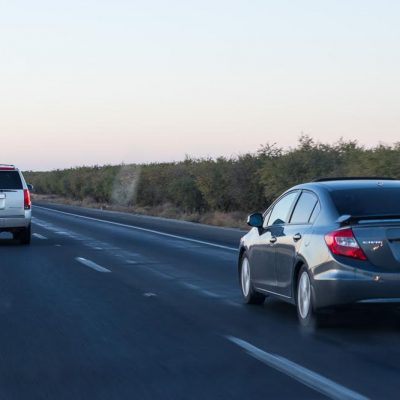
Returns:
point(371, 201)
point(10, 180)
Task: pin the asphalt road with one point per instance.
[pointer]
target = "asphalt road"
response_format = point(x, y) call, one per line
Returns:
point(104, 305)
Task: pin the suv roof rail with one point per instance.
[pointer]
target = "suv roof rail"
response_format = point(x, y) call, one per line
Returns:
point(354, 178)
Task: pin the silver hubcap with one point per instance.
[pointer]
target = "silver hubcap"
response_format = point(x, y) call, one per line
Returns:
point(304, 295)
point(245, 277)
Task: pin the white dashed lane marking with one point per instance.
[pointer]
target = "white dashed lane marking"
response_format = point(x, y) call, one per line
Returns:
point(92, 265)
point(39, 236)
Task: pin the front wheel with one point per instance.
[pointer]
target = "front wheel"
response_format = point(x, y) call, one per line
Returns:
point(305, 308)
point(250, 296)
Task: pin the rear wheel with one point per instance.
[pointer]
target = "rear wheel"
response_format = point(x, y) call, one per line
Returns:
point(25, 235)
point(305, 307)
point(250, 296)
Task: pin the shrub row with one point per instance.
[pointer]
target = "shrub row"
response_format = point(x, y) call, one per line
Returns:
point(244, 183)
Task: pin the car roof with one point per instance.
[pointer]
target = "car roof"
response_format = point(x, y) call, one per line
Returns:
point(343, 184)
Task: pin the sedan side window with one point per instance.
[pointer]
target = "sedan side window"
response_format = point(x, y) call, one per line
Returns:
point(280, 212)
point(304, 208)
point(315, 213)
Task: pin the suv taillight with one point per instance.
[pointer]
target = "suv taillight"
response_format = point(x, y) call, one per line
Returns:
point(343, 243)
point(27, 199)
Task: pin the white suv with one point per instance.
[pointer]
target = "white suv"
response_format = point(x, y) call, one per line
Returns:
point(15, 204)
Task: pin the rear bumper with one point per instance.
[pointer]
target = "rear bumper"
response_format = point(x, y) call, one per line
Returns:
point(338, 287)
point(10, 223)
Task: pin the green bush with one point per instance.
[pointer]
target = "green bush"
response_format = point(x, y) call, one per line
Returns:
point(244, 183)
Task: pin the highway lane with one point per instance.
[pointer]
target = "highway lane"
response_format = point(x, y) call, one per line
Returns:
point(100, 310)
point(221, 236)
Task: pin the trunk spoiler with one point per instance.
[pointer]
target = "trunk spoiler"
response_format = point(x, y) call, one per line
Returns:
point(350, 219)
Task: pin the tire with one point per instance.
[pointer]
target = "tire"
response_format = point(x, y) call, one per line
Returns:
point(25, 236)
point(250, 296)
point(306, 312)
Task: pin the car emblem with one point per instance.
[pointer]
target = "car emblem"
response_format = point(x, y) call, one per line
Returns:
point(376, 244)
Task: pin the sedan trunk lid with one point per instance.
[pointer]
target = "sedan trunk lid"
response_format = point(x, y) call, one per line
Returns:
point(380, 243)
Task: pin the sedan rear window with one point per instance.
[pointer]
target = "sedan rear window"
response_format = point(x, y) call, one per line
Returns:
point(367, 201)
point(10, 180)
point(304, 208)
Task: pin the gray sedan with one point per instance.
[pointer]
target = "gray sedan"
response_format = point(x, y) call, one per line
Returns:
point(325, 243)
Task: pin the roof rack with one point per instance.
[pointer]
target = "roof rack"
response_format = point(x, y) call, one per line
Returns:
point(354, 178)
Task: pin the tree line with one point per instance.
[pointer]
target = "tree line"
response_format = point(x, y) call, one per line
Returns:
point(247, 182)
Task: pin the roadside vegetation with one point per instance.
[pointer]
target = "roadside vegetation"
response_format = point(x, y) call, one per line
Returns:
point(218, 191)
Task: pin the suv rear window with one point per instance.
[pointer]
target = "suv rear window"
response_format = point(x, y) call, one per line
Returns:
point(371, 201)
point(10, 180)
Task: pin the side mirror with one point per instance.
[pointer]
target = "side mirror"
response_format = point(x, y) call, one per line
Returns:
point(255, 220)
point(30, 187)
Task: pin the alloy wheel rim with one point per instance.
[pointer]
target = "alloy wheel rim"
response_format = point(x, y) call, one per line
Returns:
point(245, 277)
point(304, 295)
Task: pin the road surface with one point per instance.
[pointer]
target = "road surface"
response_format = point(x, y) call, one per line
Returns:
point(107, 305)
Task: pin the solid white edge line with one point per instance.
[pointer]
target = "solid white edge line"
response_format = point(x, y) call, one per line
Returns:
point(141, 229)
point(39, 236)
point(91, 264)
point(309, 378)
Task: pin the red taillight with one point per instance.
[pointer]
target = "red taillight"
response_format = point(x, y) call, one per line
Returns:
point(343, 243)
point(27, 199)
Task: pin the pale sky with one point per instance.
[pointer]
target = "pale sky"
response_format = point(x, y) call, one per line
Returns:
point(95, 82)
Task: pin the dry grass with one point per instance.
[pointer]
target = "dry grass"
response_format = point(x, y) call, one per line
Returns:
point(217, 218)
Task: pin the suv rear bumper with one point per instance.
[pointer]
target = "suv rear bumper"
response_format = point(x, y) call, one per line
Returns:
point(9, 223)
point(345, 287)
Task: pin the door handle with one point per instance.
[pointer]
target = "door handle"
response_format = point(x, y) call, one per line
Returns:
point(273, 239)
point(297, 237)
